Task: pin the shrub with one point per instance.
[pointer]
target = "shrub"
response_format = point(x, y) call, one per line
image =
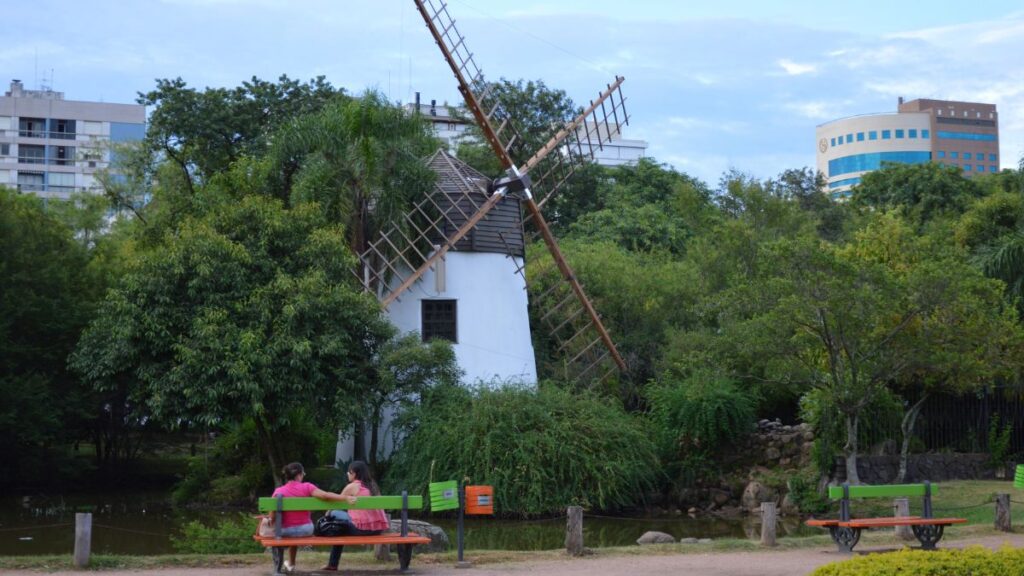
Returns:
point(231, 535)
point(971, 561)
point(999, 440)
point(880, 421)
point(542, 449)
point(697, 418)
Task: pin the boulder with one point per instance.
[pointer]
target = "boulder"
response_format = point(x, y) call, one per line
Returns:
point(438, 539)
point(654, 537)
point(688, 541)
point(704, 541)
point(753, 495)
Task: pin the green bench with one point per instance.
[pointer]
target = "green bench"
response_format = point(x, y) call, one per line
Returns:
point(404, 540)
point(845, 530)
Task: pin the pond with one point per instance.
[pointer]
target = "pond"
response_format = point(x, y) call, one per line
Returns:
point(142, 523)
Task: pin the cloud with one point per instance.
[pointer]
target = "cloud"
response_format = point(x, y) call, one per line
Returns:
point(795, 69)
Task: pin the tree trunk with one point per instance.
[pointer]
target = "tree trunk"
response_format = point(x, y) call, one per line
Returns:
point(266, 443)
point(851, 449)
point(907, 427)
point(374, 432)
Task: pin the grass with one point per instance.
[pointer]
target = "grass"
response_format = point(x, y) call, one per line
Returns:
point(971, 499)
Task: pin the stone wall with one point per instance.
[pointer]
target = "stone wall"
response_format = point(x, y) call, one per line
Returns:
point(920, 467)
point(780, 446)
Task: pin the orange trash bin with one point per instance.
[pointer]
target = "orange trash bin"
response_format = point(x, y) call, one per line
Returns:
point(479, 500)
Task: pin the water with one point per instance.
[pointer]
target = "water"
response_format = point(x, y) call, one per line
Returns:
point(142, 523)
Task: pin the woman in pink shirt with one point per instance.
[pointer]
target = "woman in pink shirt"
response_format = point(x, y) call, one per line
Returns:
point(357, 522)
point(297, 524)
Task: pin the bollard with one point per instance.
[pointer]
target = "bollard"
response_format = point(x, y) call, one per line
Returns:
point(1003, 513)
point(574, 531)
point(901, 509)
point(767, 523)
point(83, 538)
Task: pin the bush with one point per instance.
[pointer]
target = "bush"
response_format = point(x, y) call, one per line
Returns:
point(542, 450)
point(880, 421)
point(229, 536)
point(704, 412)
point(971, 561)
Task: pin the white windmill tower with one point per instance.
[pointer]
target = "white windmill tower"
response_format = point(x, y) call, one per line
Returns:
point(455, 266)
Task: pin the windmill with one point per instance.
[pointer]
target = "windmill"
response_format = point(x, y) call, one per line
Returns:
point(470, 214)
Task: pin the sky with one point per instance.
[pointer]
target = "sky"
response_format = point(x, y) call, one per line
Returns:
point(711, 85)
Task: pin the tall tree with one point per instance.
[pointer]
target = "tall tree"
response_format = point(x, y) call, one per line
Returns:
point(919, 191)
point(248, 311)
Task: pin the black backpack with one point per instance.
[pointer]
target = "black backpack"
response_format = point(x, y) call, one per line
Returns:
point(329, 526)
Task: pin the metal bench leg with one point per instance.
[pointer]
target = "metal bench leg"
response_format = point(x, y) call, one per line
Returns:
point(277, 556)
point(845, 538)
point(928, 535)
point(404, 556)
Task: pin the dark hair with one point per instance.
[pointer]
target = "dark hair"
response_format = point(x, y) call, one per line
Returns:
point(292, 471)
point(362, 472)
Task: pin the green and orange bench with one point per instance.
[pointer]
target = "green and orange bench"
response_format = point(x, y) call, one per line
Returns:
point(846, 530)
point(404, 540)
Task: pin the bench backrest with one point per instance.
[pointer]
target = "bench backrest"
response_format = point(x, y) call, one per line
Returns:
point(269, 504)
point(883, 491)
point(845, 492)
point(296, 504)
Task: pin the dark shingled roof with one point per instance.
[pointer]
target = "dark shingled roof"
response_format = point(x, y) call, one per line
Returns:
point(460, 186)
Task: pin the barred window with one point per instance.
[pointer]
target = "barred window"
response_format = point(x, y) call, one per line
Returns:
point(439, 320)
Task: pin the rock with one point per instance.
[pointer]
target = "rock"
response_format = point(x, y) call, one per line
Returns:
point(721, 497)
point(653, 537)
point(704, 541)
point(808, 436)
point(772, 453)
point(785, 461)
point(438, 539)
point(788, 506)
point(753, 495)
point(692, 510)
point(688, 541)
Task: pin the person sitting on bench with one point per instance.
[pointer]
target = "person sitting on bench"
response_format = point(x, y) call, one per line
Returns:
point(299, 523)
point(357, 522)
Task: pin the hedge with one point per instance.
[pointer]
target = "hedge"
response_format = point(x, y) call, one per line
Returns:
point(976, 561)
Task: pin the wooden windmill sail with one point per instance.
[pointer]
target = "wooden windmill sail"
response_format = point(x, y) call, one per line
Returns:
point(400, 256)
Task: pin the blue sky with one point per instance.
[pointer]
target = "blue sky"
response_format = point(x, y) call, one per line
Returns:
point(710, 85)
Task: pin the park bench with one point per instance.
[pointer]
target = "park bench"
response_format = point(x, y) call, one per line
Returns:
point(403, 540)
point(845, 530)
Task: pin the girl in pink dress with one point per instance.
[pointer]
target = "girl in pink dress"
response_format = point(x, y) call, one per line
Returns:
point(299, 523)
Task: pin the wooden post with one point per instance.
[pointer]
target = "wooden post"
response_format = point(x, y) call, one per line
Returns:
point(1003, 512)
point(574, 531)
point(83, 538)
point(767, 523)
point(901, 509)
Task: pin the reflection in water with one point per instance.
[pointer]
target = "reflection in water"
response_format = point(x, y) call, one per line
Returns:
point(142, 523)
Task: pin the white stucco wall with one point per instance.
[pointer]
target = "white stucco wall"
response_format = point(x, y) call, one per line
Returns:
point(493, 326)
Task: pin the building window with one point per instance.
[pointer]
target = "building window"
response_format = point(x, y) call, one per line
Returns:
point(439, 320)
point(31, 154)
point(967, 167)
point(942, 153)
point(849, 138)
point(991, 157)
point(912, 133)
point(873, 135)
point(939, 111)
point(993, 169)
point(954, 155)
point(886, 134)
point(32, 127)
point(30, 181)
point(899, 133)
point(5, 149)
point(926, 134)
point(62, 129)
point(860, 136)
point(967, 155)
point(833, 141)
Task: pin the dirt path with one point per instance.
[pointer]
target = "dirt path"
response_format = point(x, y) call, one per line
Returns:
point(766, 563)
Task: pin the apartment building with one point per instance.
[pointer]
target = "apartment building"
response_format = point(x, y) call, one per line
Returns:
point(53, 147)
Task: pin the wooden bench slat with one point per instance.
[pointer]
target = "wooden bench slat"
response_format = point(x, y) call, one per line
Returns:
point(386, 538)
point(881, 491)
point(891, 522)
point(269, 504)
point(823, 523)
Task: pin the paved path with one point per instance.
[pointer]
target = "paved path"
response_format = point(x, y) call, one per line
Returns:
point(766, 563)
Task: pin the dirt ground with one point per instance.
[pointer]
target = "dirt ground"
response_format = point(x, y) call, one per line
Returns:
point(766, 563)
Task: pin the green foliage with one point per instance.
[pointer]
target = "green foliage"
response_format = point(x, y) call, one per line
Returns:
point(231, 535)
point(999, 441)
point(702, 412)
point(802, 489)
point(879, 421)
point(541, 449)
point(920, 192)
point(975, 561)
